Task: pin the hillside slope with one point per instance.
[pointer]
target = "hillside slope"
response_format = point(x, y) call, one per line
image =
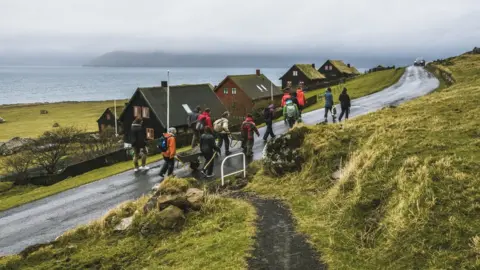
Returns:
point(408, 195)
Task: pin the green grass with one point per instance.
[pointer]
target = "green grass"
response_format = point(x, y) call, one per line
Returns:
point(19, 195)
point(409, 192)
point(25, 120)
point(362, 85)
point(219, 236)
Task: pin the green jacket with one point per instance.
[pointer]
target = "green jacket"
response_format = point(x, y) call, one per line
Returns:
point(297, 112)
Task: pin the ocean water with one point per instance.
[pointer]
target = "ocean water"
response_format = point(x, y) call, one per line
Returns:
point(54, 84)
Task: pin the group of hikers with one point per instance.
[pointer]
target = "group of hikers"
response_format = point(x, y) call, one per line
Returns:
point(212, 136)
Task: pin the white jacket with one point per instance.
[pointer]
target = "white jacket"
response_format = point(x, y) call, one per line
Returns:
point(224, 122)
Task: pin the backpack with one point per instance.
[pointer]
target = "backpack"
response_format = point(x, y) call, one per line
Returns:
point(291, 111)
point(200, 125)
point(218, 125)
point(192, 120)
point(266, 114)
point(163, 143)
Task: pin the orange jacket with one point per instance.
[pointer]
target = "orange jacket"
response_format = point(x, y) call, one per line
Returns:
point(285, 97)
point(300, 97)
point(172, 145)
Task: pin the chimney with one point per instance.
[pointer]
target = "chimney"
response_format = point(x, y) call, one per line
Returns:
point(313, 65)
point(258, 72)
point(348, 65)
point(164, 83)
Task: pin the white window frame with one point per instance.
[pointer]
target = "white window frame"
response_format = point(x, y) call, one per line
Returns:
point(147, 132)
point(137, 111)
point(234, 91)
point(147, 114)
point(295, 73)
point(225, 91)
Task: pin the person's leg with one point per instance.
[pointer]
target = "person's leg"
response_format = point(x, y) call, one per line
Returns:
point(136, 152)
point(164, 166)
point(171, 165)
point(347, 113)
point(144, 157)
point(267, 131)
point(326, 113)
point(250, 147)
point(341, 115)
point(227, 143)
point(210, 165)
point(220, 140)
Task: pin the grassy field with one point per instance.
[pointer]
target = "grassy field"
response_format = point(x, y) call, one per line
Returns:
point(361, 86)
point(17, 195)
point(409, 192)
point(219, 236)
point(25, 120)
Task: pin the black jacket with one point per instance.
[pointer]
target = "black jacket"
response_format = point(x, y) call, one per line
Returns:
point(344, 100)
point(138, 136)
point(207, 144)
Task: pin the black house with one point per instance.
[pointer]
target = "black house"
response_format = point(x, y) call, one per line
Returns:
point(151, 104)
point(337, 69)
point(304, 75)
point(107, 119)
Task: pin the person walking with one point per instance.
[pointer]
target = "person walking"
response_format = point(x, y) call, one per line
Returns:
point(170, 152)
point(139, 144)
point(248, 128)
point(345, 104)
point(192, 123)
point(268, 115)
point(208, 149)
point(286, 96)
point(204, 120)
point(329, 104)
point(221, 128)
point(301, 99)
point(291, 113)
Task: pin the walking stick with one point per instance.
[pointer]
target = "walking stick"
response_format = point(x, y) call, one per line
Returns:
point(213, 157)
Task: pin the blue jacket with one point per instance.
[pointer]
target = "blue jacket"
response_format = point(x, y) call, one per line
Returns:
point(328, 99)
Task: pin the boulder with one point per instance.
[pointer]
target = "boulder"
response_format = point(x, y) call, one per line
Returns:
point(124, 224)
point(14, 145)
point(55, 125)
point(195, 198)
point(178, 200)
point(282, 154)
point(2, 120)
point(171, 217)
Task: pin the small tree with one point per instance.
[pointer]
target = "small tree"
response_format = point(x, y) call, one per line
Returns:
point(18, 165)
point(49, 150)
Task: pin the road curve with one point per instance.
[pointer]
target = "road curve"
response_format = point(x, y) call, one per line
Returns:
point(45, 219)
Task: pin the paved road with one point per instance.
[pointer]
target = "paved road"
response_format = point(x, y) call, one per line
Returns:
point(45, 219)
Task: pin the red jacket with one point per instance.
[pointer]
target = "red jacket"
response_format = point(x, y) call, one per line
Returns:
point(300, 97)
point(248, 128)
point(208, 120)
point(285, 97)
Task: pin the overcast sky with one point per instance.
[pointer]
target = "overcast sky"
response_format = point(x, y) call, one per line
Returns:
point(360, 27)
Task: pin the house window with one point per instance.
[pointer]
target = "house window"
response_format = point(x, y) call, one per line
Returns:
point(137, 111)
point(108, 116)
point(234, 91)
point(150, 134)
point(295, 73)
point(225, 91)
point(300, 83)
point(289, 83)
point(145, 112)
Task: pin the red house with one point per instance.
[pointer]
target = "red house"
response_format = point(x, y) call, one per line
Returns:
point(239, 93)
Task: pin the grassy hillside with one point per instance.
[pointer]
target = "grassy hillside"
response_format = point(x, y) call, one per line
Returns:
point(26, 120)
point(219, 236)
point(361, 86)
point(409, 192)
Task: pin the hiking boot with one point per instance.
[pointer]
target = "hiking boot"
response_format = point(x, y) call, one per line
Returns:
point(135, 170)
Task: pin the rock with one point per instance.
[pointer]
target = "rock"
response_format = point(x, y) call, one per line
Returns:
point(43, 112)
point(56, 125)
point(124, 224)
point(2, 120)
point(337, 175)
point(171, 217)
point(150, 205)
point(178, 200)
point(195, 197)
point(283, 155)
point(14, 145)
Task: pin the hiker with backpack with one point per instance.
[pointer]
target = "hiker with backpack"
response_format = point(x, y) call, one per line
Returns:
point(268, 115)
point(247, 129)
point(139, 144)
point(192, 123)
point(221, 128)
point(291, 113)
point(344, 104)
point(167, 143)
point(301, 99)
point(209, 148)
point(329, 105)
point(204, 120)
point(286, 96)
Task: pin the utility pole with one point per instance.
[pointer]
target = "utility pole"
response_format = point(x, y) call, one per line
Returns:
point(168, 99)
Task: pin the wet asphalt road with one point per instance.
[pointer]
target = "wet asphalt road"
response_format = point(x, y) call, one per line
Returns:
point(45, 219)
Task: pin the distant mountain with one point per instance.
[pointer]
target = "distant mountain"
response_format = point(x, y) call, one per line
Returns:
point(160, 59)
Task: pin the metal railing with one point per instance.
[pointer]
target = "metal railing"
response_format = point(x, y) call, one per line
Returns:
point(244, 170)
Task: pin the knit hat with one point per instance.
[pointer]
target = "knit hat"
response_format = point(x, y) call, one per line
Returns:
point(172, 130)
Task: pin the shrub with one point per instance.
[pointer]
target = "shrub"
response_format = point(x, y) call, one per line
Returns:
point(18, 165)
